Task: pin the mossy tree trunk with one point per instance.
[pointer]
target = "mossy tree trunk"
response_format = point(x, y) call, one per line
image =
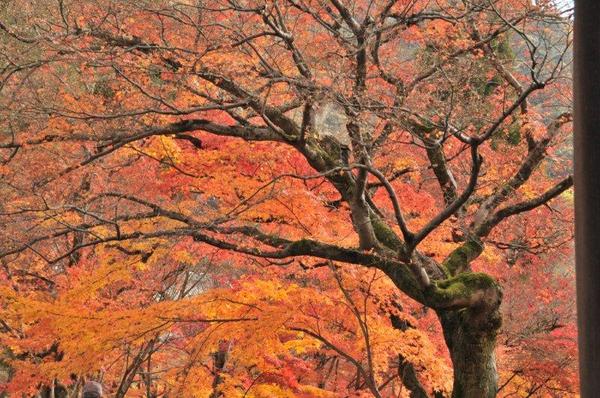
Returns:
point(470, 335)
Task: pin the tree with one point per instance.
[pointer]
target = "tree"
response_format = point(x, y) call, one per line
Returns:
point(388, 137)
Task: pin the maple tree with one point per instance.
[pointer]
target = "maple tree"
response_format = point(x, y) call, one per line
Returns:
point(291, 198)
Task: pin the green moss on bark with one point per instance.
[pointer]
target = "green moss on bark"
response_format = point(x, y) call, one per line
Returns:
point(460, 291)
point(460, 258)
point(385, 234)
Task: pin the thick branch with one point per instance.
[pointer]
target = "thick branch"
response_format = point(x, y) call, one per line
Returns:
point(536, 154)
point(521, 207)
point(454, 206)
point(459, 259)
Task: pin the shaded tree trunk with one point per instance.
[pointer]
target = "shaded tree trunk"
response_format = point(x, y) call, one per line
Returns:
point(406, 370)
point(470, 335)
point(219, 362)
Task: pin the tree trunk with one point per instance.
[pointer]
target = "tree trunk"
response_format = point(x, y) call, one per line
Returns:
point(470, 335)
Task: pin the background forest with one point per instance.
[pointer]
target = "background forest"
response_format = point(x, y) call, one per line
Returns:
point(286, 198)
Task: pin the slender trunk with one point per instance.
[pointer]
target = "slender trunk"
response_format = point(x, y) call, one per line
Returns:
point(471, 338)
point(219, 362)
point(406, 370)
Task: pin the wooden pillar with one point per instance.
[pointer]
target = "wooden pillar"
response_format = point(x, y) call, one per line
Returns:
point(587, 190)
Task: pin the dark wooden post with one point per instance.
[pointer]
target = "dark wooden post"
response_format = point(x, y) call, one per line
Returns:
point(587, 190)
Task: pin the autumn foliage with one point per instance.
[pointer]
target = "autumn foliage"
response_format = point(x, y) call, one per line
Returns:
point(286, 198)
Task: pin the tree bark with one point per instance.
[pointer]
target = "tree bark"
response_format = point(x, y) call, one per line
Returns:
point(470, 335)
